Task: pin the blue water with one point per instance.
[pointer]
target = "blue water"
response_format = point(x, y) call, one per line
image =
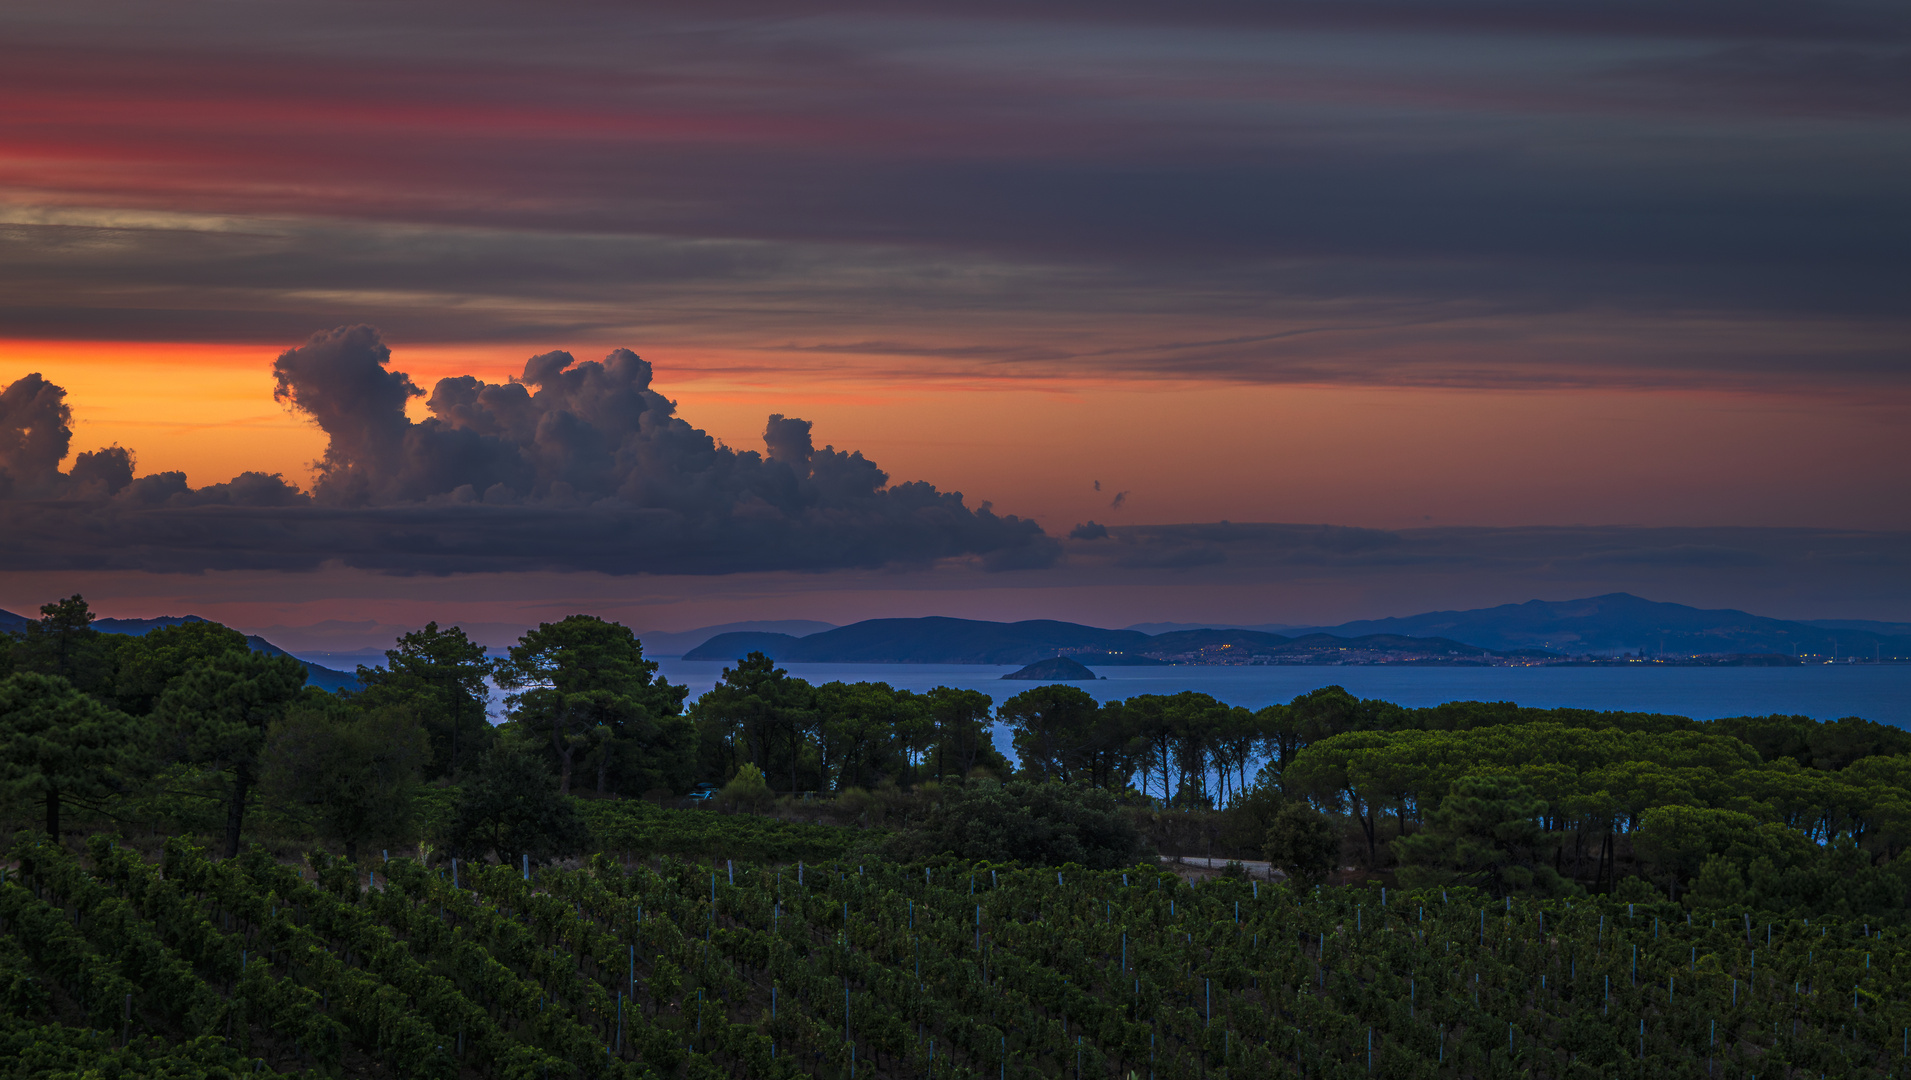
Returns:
point(1825, 691)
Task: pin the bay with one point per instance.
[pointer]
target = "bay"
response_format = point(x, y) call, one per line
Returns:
point(1880, 692)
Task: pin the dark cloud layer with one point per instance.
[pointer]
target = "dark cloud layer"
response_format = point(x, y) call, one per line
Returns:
point(1609, 192)
point(1796, 569)
point(578, 466)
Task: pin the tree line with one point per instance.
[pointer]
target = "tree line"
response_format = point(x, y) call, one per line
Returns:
point(190, 725)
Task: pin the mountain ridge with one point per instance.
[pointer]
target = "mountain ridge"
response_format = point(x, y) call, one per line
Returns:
point(1601, 626)
point(315, 674)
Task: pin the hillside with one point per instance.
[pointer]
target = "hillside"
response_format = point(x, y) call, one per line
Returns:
point(1511, 633)
point(315, 674)
point(1621, 622)
point(928, 641)
point(964, 641)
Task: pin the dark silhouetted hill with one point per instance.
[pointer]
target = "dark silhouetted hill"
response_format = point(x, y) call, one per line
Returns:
point(932, 640)
point(1620, 623)
point(967, 641)
point(677, 643)
point(315, 675)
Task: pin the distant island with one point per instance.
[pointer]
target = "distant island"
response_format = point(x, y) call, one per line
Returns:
point(1605, 630)
point(1054, 669)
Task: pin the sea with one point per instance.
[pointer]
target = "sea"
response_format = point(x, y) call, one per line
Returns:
point(1880, 692)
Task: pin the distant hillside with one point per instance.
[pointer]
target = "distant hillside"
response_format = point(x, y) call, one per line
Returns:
point(927, 641)
point(1159, 628)
point(966, 641)
point(677, 643)
point(315, 675)
point(1620, 622)
point(734, 646)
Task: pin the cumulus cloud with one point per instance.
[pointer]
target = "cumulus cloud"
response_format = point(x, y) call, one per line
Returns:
point(575, 465)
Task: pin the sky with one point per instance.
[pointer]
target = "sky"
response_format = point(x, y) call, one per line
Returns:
point(690, 313)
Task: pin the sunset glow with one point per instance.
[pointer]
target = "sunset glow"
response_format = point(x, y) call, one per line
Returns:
point(1388, 268)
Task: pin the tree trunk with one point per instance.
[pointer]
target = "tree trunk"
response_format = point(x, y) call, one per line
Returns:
point(351, 851)
point(236, 808)
point(795, 746)
point(53, 813)
point(564, 771)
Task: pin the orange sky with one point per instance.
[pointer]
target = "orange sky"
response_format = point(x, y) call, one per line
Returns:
point(1373, 456)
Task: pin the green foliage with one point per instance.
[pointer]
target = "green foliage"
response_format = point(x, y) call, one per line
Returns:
point(510, 808)
point(1041, 824)
point(868, 731)
point(1301, 843)
point(1251, 813)
point(1054, 730)
point(216, 715)
point(960, 741)
point(758, 714)
point(686, 969)
point(582, 688)
point(147, 665)
point(634, 828)
point(1486, 834)
point(57, 743)
point(355, 771)
point(747, 789)
point(64, 644)
point(440, 676)
point(52, 1052)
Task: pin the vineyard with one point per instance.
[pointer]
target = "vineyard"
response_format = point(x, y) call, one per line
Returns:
point(192, 967)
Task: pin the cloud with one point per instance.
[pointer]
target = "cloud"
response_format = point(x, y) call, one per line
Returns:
point(575, 466)
point(1650, 560)
point(1479, 193)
